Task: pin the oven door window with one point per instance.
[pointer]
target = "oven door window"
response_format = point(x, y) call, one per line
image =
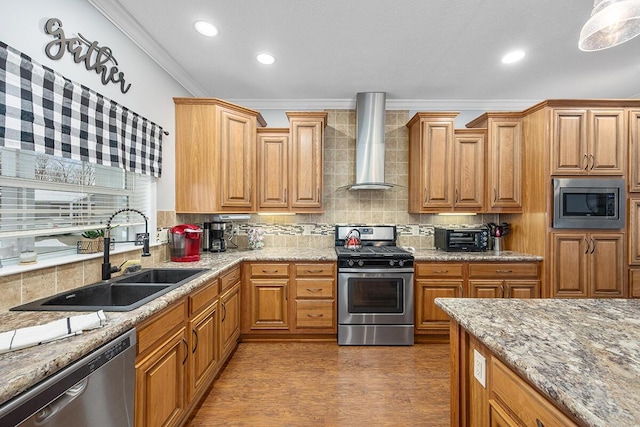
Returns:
point(376, 295)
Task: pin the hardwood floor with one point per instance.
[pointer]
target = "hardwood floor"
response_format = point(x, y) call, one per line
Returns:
point(323, 384)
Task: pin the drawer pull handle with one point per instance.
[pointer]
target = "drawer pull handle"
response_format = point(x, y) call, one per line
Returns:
point(314, 271)
point(314, 289)
point(504, 271)
point(224, 312)
point(440, 271)
point(539, 423)
point(269, 271)
point(186, 353)
point(315, 315)
point(195, 335)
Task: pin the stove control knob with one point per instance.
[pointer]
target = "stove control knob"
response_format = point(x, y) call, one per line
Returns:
point(360, 262)
point(400, 263)
point(350, 263)
point(392, 262)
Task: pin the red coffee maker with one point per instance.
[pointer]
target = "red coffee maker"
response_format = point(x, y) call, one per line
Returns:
point(184, 242)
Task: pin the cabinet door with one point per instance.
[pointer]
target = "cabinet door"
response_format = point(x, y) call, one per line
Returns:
point(569, 150)
point(269, 303)
point(160, 383)
point(204, 347)
point(498, 417)
point(486, 288)
point(569, 255)
point(429, 317)
point(634, 151)
point(315, 314)
point(273, 169)
point(437, 165)
point(230, 320)
point(634, 283)
point(469, 171)
point(522, 289)
point(237, 161)
point(634, 231)
point(504, 177)
point(607, 266)
point(307, 168)
point(607, 142)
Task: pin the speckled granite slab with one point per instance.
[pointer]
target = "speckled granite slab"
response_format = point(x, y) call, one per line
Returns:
point(490, 256)
point(583, 353)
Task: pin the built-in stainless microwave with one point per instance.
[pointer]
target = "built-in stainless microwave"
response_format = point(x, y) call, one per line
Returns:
point(588, 203)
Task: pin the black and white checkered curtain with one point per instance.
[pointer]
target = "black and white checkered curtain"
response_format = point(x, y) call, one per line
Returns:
point(42, 111)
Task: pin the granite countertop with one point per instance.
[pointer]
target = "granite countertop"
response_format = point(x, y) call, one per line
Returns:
point(23, 368)
point(491, 256)
point(584, 354)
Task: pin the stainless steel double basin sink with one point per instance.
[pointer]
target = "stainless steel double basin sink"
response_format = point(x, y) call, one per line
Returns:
point(123, 293)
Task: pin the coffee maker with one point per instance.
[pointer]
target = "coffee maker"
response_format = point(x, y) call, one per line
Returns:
point(217, 242)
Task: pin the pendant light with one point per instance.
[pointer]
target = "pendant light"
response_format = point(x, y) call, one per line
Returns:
point(612, 22)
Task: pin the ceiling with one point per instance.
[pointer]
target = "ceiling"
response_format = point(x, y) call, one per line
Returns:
point(423, 53)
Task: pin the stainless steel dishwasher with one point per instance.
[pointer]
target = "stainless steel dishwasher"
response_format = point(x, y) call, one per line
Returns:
point(95, 391)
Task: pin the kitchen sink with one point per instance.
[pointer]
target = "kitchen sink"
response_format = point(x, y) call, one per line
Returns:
point(124, 293)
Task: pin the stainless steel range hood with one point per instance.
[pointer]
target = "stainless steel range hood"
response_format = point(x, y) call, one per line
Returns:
point(370, 121)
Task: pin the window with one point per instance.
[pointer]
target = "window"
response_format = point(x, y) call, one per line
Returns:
point(46, 202)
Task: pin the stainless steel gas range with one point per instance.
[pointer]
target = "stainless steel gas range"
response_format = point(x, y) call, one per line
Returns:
point(375, 287)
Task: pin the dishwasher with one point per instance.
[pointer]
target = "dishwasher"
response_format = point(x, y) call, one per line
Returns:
point(95, 391)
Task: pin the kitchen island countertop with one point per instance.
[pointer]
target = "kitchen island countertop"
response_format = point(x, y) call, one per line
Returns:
point(584, 354)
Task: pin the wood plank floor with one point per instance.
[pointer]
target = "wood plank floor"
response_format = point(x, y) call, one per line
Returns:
point(323, 384)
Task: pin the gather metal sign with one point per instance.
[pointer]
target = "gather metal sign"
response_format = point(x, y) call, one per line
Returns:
point(82, 50)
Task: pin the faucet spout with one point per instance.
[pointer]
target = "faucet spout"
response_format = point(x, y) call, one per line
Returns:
point(107, 269)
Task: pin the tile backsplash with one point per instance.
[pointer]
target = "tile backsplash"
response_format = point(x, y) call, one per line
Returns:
point(349, 207)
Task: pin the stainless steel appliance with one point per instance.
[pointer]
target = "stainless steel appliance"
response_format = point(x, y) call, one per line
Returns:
point(375, 288)
point(589, 203)
point(217, 242)
point(97, 390)
point(461, 239)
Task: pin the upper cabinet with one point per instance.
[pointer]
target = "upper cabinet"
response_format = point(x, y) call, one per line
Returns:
point(306, 164)
point(504, 162)
point(588, 141)
point(273, 169)
point(634, 150)
point(215, 156)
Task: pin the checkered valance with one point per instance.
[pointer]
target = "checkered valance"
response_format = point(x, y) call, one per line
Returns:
point(42, 111)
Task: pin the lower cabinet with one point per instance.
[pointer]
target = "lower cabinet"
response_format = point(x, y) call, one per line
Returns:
point(287, 298)
point(468, 279)
point(182, 348)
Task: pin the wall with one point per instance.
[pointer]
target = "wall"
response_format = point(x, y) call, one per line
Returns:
point(350, 207)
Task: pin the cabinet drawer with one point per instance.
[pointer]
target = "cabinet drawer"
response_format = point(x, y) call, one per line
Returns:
point(229, 278)
point(314, 314)
point(522, 400)
point(161, 325)
point(313, 270)
point(203, 297)
point(271, 270)
point(314, 288)
point(503, 270)
point(438, 270)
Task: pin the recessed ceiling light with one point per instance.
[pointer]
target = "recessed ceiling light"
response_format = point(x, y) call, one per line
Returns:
point(265, 58)
point(205, 28)
point(512, 57)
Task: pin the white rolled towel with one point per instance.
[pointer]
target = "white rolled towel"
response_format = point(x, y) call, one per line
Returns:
point(34, 335)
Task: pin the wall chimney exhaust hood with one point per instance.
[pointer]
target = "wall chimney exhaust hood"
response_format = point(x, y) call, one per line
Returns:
point(370, 120)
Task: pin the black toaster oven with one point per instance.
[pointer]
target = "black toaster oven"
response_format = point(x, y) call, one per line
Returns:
point(461, 239)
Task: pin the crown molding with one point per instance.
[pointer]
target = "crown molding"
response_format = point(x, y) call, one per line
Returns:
point(392, 104)
point(121, 19)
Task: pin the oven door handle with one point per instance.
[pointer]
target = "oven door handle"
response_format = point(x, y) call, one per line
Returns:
point(390, 271)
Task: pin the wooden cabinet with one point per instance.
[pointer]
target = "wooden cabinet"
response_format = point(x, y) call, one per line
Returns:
point(504, 161)
point(517, 403)
point(161, 368)
point(588, 142)
point(634, 283)
point(204, 343)
point(268, 299)
point(307, 164)
point(436, 280)
point(469, 169)
point(431, 184)
point(634, 231)
point(504, 280)
point(315, 298)
point(230, 307)
point(215, 156)
point(273, 170)
point(634, 151)
point(588, 265)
